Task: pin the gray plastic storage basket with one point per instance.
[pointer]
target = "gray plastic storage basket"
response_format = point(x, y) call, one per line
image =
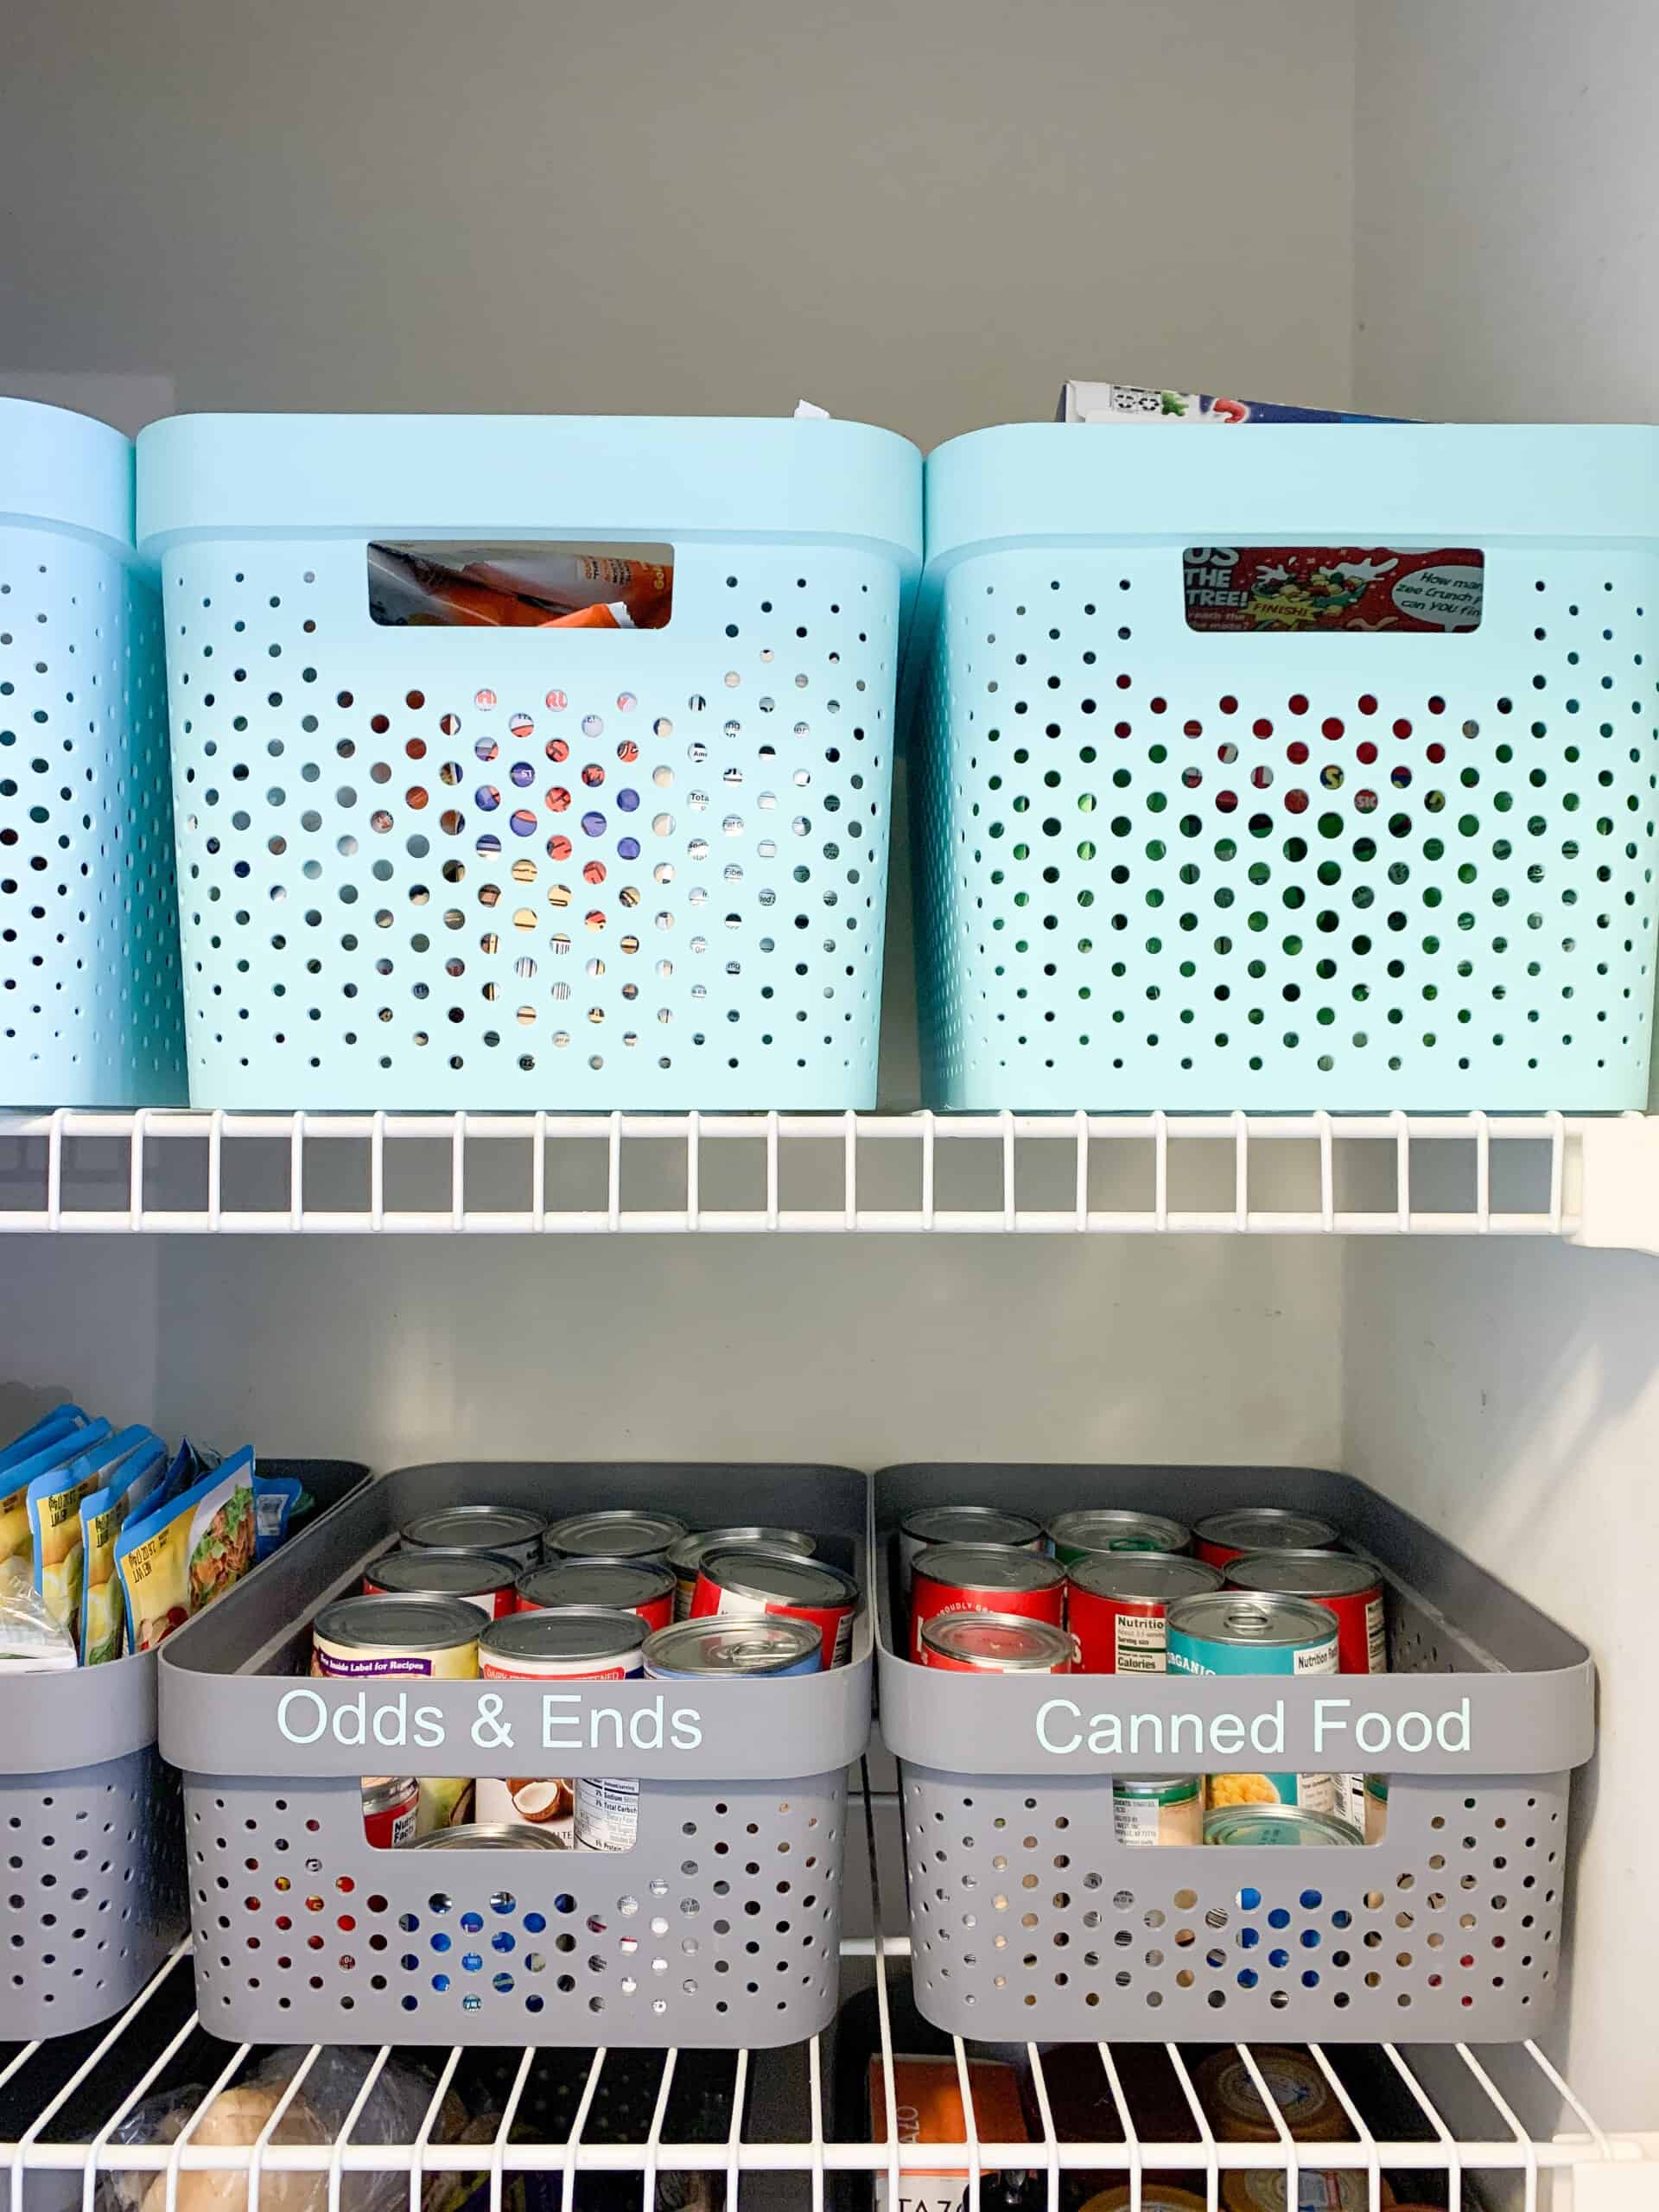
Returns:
point(92, 1828)
point(720, 1928)
point(1029, 1919)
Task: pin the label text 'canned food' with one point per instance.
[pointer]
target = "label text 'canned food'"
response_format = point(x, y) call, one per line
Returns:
point(1063, 1728)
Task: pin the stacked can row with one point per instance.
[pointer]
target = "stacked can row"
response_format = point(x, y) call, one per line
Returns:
point(1108, 1590)
point(547, 763)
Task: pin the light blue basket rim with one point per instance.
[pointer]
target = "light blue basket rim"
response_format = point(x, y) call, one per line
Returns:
point(1082, 485)
point(643, 478)
point(1441, 483)
point(65, 471)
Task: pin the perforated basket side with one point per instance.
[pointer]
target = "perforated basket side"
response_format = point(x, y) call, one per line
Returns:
point(719, 1929)
point(1028, 1918)
point(1360, 869)
point(93, 1889)
point(90, 1010)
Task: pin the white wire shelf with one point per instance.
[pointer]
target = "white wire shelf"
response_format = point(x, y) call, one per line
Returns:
point(1589, 1180)
point(1490, 2119)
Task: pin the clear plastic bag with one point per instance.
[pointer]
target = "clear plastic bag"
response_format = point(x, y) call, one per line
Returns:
point(316, 2114)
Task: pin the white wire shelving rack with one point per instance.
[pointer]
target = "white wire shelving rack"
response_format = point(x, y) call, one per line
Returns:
point(1590, 1180)
point(1502, 2121)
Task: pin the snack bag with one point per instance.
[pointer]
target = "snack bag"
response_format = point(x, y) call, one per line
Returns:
point(103, 1514)
point(18, 1474)
point(180, 1556)
point(31, 1642)
point(54, 1502)
point(276, 1500)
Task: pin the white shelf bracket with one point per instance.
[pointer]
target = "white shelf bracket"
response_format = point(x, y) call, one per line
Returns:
point(1617, 1174)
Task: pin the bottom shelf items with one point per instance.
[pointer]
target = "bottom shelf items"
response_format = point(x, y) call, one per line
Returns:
point(1114, 2125)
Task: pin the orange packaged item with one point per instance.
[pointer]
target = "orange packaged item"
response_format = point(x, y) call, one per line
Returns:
point(928, 2093)
point(517, 588)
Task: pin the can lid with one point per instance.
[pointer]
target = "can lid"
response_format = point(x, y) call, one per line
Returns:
point(617, 1583)
point(436, 1571)
point(1118, 1529)
point(1241, 1617)
point(474, 1528)
point(1145, 1577)
point(485, 1835)
point(1276, 1824)
point(616, 1532)
point(1000, 1643)
point(1303, 1574)
point(595, 1632)
point(414, 1624)
point(689, 1551)
point(1165, 1788)
point(968, 1524)
point(986, 1566)
point(724, 1645)
point(756, 1573)
point(1269, 1528)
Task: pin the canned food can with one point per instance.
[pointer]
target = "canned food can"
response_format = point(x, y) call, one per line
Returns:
point(509, 1529)
point(1158, 1808)
point(1374, 1817)
point(435, 1639)
point(626, 1586)
point(1094, 1529)
point(1352, 1592)
point(983, 1579)
point(1235, 1632)
point(593, 1644)
point(391, 1804)
point(616, 1532)
point(1117, 1607)
point(1277, 1824)
point(1152, 2194)
point(697, 1650)
point(996, 1644)
point(962, 1524)
point(1306, 2101)
point(1345, 1586)
point(687, 1553)
point(1226, 1536)
point(607, 1814)
point(1335, 2189)
point(482, 1835)
point(755, 1584)
point(482, 1579)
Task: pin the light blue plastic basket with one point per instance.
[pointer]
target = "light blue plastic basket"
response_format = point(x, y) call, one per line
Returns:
point(372, 914)
point(1158, 868)
point(89, 959)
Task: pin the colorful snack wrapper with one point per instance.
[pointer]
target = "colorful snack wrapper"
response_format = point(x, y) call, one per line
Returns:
point(29, 1457)
point(181, 1556)
point(103, 1514)
point(54, 1502)
point(276, 1500)
point(1084, 402)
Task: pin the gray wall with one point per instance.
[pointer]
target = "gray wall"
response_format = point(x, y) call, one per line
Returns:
point(925, 214)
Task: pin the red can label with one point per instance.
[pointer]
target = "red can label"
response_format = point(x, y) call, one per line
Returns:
point(389, 1813)
point(1117, 1635)
point(929, 1599)
point(1361, 1639)
point(833, 1622)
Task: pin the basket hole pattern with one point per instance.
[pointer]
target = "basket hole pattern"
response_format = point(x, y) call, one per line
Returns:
point(88, 1872)
point(1017, 1916)
point(1149, 862)
point(401, 858)
point(89, 967)
point(727, 1911)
